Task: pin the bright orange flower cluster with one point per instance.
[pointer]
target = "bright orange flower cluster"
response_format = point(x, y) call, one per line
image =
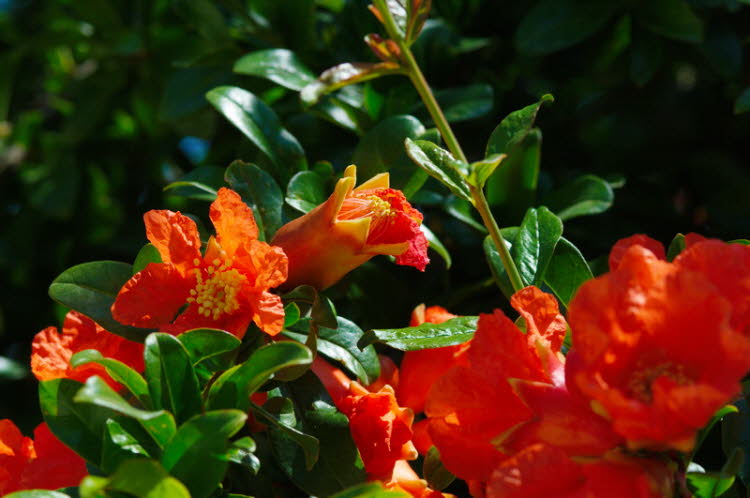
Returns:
point(51, 351)
point(659, 347)
point(227, 287)
point(44, 463)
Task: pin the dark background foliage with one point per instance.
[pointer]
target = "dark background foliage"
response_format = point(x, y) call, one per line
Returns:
point(102, 104)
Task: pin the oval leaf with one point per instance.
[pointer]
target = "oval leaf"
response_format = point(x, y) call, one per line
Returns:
point(426, 336)
point(279, 65)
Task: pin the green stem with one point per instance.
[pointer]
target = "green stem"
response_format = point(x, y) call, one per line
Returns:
point(423, 88)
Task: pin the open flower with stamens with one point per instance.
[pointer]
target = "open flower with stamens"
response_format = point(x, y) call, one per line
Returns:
point(351, 227)
point(225, 288)
point(659, 346)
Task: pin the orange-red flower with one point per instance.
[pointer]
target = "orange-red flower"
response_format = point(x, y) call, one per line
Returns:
point(473, 404)
point(659, 346)
point(542, 471)
point(225, 288)
point(351, 227)
point(421, 369)
point(44, 463)
point(51, 351)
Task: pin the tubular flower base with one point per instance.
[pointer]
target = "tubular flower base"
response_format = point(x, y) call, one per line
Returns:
point(44, 463)
point(225, 288)
point(463, 408)
point(51, 351)
point(659, 346)
point(351, 227)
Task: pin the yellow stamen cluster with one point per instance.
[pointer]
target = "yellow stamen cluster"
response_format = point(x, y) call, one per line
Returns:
point(217, 293)
point(643, 377)
point(380, 207)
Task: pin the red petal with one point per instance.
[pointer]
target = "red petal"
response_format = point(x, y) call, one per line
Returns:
point(622, 245)
point(175, 236)
point(233, 219)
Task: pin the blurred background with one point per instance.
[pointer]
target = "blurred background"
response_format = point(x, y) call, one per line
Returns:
point(102, 104)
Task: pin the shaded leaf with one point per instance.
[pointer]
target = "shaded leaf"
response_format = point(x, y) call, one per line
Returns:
point(119, 372)
point(440, 164)
point(279, 65)
point(426, 336)
point(567, 271)
point(672, 19)
point(584, 196)
point(202, 344)
point(535, 244)
point(306, 190)
point(514, 128)
point(345, 74)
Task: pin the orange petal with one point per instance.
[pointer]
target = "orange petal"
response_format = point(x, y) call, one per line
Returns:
point(152, 297)
point(56, 465)
point(622, 246)
point(175, 236)
point(233, 219)
point(542, 315)
point(268, 313)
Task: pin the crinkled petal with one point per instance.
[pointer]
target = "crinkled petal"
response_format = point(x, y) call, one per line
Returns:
point(175, 236)
point(233, 219)
point(542, 315)
point(152, 297)
point(268, 313)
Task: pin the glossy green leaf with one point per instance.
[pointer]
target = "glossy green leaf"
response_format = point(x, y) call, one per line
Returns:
point(37, 493)
point(436, 245)
point(91, 288)
point(345, 74)
point(260, 191)
point(121, 443)
point(340, 344)
point(370, 490)
point(204, 191)
point(148, 254)
point(119, 372)
point(201, 183)
point(676, 247)
point(79, 426)
point(742, 104)
point(584, 196)
point(440, 164)
point(306, 190)
point(426, 336)
point(259, 123)
point(234, 387)
point(434, 472)
point(242, 451)
point(338, 465)
point(292, 315)
point(11, 369)
point(171, 379)
point(553, 25)
point(481, 170)
point(202, 344)
point(715, 419)
point(279, 65)
point(672, 19)
point(159, 424)
point(514, 128)
point(381, 149)
point(283, 421)
point(512, 187)
point(567, 271)
point(137, 477)
point(313, 304)
point(495, 264)
point(535, 244)
point(714, 484)
point(196, 453)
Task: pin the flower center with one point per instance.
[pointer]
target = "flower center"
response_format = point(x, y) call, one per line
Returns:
point(641, 381)
point(216, 294)
point(380, 208)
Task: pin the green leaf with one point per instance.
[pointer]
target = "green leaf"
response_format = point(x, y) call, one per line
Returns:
point(715, 419)
point(37, 493)
point(512, 187)
point(91, 288)
point(584, 196)
point(708, 485)
point(196, 453)
point(676, 247)
point(260, 191)
point(464, 211)
point(205, 192)
point(306, 190)
point(742, 104)
point(567, 271)
point(148, 254)
point(234, 387)
point(122, 444)
point(259, 123)
point(338, 465)
point(434, 472)
point(345, 74)
point(11, 369)
point(672, 19)
point(436, 245)
point(481, 170)
point(535, 244)
point(514, 128)
point(202, 344)
point(370, 490)
point(440, 164)
point(340, 344)
point(553, 25)
point(496, 264)
point(292, 315)
point(241, 452)
point(119, 372)
point(426, 336)
point(461, 104)
point(159, 424)
point(171, 379)
point(201, 183)
point(284, 423)
point(316, 306)
point(79, 426)
point(137, 477)
point(381, 149)
point(279, 65)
